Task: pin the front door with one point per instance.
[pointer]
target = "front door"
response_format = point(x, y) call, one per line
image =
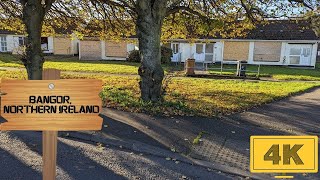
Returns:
point(199, 54)
point(300, 54)
point(175, 52)
point(204, 52)
point(209, 51)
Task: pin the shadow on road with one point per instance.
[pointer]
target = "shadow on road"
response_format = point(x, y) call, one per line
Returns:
point(13, 168)
point(70, 159)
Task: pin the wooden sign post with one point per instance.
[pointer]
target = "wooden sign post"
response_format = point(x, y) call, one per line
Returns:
point(49, 138)
point(51, 105)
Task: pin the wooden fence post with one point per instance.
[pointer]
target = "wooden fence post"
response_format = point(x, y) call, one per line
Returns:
point(49, 138)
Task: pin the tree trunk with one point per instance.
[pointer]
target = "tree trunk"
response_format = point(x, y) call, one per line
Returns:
point(33, 16)
point(149, 23)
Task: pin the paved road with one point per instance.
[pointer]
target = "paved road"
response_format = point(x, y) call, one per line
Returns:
point(295, 115)
point(20, 154)
point(226, 141)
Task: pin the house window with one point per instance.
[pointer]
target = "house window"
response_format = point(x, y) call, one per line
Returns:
point(209, 48)
point(199, 48)
point(4, 43)
point(306, 52)
point(44, 43)
point(175, 48)
point(22, 41)
point(300, 54)
point(295, 55)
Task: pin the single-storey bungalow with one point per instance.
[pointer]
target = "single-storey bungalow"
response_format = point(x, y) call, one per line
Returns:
point(13, 42)
point(280, 42)
point(96, 49)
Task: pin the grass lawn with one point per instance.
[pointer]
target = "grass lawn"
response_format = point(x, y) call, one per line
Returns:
point(276, 72)
point(73, 64)
point(188, 96)
point(124, 67)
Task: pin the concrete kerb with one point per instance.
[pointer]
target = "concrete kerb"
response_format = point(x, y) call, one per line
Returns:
point(146, 149)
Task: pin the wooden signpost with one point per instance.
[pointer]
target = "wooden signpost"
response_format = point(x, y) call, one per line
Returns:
point(51, 105)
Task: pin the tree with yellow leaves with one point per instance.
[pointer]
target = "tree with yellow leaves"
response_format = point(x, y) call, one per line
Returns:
point(150, 20)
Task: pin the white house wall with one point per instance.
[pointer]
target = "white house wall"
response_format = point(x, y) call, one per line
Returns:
point(185, 49)
point(75, 46)
point(13, 43)
point(16, 47)
point(314, 54)
point(131, 47)
point(10, 43)
point(50, 45)
point(218, 52)
point(284, 56)
point(188, 50)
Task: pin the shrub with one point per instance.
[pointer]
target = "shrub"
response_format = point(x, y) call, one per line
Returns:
point(134, 56)
point(166, 54)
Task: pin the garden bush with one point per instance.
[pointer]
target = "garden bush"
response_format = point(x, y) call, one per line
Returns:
point(166, 54)
point(134, 56)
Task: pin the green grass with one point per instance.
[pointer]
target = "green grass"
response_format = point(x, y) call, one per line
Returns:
point(276, 72)
point(196, 140)
point(188, 96)
point(73, 64)
point(124, 67)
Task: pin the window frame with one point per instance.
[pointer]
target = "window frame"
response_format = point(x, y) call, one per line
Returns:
point(3, 44)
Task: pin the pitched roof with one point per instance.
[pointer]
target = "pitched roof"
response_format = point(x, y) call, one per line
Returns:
point(283, 30)
point(3, 31)
point(274, 30)
point(57, 31)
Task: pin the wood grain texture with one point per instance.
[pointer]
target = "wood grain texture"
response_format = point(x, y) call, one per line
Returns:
point(90, 50)
point(62, 46)
point(235, 50)
point(116, 49)
point(49, 154)
point(81, 92)
point(267, 51)
point(49, 138)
